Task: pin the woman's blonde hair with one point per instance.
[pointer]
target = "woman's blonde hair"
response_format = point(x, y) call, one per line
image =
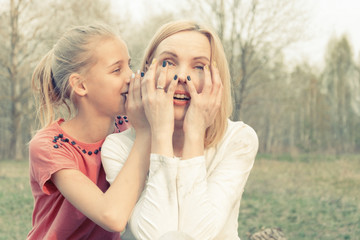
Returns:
point(215, 132)
point(71, 54)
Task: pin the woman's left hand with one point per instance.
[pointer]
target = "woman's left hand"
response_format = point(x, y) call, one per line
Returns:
point(205, 105)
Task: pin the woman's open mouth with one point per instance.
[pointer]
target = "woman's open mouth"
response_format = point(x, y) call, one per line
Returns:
point(181, 98)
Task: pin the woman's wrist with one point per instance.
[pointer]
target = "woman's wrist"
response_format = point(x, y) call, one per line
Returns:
point(193, 146)
point(161, 143)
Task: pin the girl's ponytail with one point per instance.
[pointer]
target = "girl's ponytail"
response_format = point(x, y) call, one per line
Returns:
point(45, 94)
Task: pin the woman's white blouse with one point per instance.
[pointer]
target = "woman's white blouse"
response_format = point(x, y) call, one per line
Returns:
point(199, 196)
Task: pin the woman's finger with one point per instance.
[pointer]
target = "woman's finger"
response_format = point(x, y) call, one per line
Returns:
point(208, 80)
point(148, 82)
point(216, 80)
point(172, 86)
point(191, 87)
point(161, 82)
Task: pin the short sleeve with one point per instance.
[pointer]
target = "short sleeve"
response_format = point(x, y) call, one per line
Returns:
point(45, 160)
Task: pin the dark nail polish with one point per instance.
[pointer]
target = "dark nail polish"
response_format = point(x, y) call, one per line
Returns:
point(188, 78)
point(142, 74)
point(146, 62)
point(164, 64)
point(175, 77)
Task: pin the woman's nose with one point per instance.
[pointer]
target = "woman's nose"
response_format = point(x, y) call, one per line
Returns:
point(182, 77)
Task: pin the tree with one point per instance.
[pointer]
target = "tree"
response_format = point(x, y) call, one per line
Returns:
point(338, 77)
point(28, 33)
point(253, 33)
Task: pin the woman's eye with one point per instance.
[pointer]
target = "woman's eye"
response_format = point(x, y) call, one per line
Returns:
point(199, 67)
point(169, 63)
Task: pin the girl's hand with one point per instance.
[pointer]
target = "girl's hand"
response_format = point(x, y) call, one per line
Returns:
point(204, 106)
point(134, 106)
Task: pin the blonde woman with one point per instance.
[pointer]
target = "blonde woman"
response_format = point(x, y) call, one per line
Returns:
point(87, 69)
point(200, 160)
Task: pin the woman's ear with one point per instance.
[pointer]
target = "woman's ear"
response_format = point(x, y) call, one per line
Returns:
point(78, 84)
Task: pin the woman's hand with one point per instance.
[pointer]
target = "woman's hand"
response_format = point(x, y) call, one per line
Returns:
point(202, 111)
point(134, 105)
point(159, 109)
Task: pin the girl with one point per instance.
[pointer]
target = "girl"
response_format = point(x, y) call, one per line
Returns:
point(200, 160)
point(89, 69)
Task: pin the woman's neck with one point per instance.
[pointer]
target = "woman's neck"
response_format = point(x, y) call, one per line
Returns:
point(178, 141)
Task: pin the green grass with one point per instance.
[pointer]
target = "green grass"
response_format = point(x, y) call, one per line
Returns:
point(308, 197)
point(16, 201)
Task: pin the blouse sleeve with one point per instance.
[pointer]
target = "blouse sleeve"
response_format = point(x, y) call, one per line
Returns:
point(211, 198)
point(114, 153)
point(157, 209)
point(181, 196)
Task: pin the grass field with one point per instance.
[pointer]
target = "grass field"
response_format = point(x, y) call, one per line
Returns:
point(307, 197)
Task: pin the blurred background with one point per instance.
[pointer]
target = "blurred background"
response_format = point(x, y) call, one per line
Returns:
point(295, 67)
point(295, 75)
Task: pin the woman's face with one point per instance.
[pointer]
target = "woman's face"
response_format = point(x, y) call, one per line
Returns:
point(186, 53)
point(108, 79)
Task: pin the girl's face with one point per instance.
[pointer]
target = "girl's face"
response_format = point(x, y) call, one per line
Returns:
point(186, 54)
point(108, 79)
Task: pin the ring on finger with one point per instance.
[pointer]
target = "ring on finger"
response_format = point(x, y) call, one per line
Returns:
point(160, 87)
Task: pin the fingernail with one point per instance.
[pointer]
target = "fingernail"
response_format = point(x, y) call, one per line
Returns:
point(175, 77)
point(188, 78)
point(164, 64)
point(142, 74)
point(133, 75)
point(153, 61)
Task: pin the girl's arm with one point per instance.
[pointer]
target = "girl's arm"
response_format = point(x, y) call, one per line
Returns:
point(112, 209)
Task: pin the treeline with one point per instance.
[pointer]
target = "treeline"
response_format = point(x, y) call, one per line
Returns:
point(300, 109)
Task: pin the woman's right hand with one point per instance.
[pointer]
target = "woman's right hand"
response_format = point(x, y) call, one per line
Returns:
point(158, 99)
point(159, 109)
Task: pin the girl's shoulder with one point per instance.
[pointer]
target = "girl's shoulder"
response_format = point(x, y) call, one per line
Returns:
point(47, 137)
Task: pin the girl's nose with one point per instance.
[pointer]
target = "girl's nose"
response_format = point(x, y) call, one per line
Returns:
point(130, 73)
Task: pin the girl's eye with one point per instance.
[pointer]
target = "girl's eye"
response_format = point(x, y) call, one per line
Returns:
point(117, 70)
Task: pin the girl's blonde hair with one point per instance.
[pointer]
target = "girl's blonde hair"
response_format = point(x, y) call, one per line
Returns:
point(71, 54)
point(215, 132)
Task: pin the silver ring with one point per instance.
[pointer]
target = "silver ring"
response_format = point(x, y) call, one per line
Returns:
point(159, 87)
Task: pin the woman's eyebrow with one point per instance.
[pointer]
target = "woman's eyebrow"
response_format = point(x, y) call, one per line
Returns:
point(202, 57)
point(168, 53)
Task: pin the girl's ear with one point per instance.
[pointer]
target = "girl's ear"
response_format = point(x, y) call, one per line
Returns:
point(78, 84)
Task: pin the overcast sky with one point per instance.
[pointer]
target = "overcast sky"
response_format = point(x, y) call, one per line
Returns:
point(327, 18)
